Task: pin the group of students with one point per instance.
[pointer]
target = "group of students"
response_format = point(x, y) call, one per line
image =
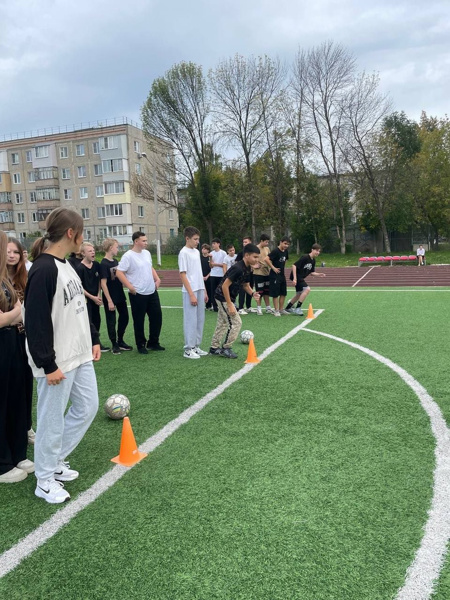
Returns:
point(215, 279)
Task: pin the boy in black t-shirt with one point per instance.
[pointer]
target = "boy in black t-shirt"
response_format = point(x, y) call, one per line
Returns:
point(89, 273)
point(228, 320)
point(113, 297)
point(306, 265)
point(206, 269)
point(277, 279)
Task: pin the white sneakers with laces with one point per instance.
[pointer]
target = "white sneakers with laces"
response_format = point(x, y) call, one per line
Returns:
point(64, 472)
point(51, 491)
point(190, 353)
point(200, 352)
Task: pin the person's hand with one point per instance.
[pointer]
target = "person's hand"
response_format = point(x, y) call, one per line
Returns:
point(276, 270)
point(256, 296)
point(194, 301)
point(56, 377)
point(98, 300)
point(132, 290)
point(206, 298)
point(96, 352)
point(294, 281)
point(111, 305)
point(322, 275)
point(232, 309)
point(157, 283)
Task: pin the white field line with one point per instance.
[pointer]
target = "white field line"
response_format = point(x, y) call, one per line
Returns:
point(361, 278)
point(11, 558)
point(424, 571)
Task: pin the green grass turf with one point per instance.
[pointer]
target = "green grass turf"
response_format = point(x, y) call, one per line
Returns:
point(309, 478)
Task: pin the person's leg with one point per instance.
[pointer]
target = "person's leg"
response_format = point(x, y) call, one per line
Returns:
point(124, 318)
point(208, 291)
point(283, 294)
point(83, 408)
point(234, 324)
point(221, 327)
point(293, 300)
point(154, 313)
point(248, 297)
point(200, 318)
point(110, 316)
point(214, 283)
point(189, 322)
point(138, 304)
point(96, 320)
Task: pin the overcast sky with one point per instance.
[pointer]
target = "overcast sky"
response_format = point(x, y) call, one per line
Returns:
point(64, 62)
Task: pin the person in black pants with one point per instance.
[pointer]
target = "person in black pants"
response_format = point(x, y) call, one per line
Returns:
point(113, 297)
point(206, 269)
point(243, 296)
point(217, 257)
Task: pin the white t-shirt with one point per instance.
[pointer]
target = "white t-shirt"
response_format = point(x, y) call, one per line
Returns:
point(229, 260)
point(189, 263)
point(420, 251)
point(217, 256)
point(137, 267)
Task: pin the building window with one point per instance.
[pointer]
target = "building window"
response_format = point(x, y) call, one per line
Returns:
point(68, 194)
point(172, 232)
point(47, 173)
point(137, 168)
point(18, 198)
point(140, 211)
point(80, 150)
point(32, 197)
point(0, 177)
point(115, 230)
point(34, 217)
point(31, 176)
point(81, 171)
point(21, 217)
point(115, 187)
point(63, 152)
point(137, 147)
point(47, 194)
point(65, 173)
point(108, 143)
point(16, 178)
point(83, 193)
point(111, 166)
point(96, 148)
point(99, 191)
point(101, 212)
point(14, 158)
point(98, 169)
point(87, 234)
point(85, 213)
point(29, 156)
point(114, 210)
point(41, 151)
point(170, 214)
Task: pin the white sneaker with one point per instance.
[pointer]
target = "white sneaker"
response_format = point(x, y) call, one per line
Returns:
point(200, 352)
point(190, 354)
point(26, 465)
point(51, 491)
point(259, 311)
point(31, 436)
point(284, 312)
point(276, 313)
point(252, 310)
point(298, 311)
point(65, 473)
point(269, 310)
point(243, 311)
point(13, 476)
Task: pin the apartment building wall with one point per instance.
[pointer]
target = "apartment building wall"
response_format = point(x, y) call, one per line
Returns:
point(87, 170)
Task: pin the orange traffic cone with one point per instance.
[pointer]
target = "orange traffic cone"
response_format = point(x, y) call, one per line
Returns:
point(251, 356)
point(129, 454)
point(310, 314)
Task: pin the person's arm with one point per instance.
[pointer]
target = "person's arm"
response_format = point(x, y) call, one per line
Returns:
point(226, 293)
point(124, 281)
point(104, 285)
point(294, 274)
point(269, 262)
point(318, 274)
point(187, 285)
point(156, 278)
point(250, 291)
point(12, 317)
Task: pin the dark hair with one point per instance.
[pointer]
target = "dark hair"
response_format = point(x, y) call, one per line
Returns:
point(207, 246)
point(247, 237)
point(285, 239)
point(190, 231)
point(250, 249)
point(58, 222)
point(217, 240)
point(137, 234)
point(264, 237)
point(5, 304)
point(20, 276)
point(230, 246)
point(316, 247)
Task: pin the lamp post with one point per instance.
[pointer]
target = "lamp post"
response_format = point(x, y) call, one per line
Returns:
point(155, 196)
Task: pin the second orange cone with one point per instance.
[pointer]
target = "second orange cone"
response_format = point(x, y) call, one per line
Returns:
point(129, 453)
point(251, 356)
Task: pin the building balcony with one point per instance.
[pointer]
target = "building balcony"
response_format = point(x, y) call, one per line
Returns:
point(7, 226)
point(48, 204)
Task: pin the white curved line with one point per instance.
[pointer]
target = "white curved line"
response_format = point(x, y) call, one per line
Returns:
point(423, 572)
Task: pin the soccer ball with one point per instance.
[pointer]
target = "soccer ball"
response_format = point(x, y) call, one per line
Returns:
point(117, 406)
point(246, 336)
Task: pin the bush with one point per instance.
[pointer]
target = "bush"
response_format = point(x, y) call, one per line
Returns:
point(174, 244)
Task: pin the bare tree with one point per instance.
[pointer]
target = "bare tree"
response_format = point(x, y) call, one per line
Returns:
point(245, 92)
point(321, 78)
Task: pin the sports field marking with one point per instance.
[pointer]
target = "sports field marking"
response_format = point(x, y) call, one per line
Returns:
point(429, 559)
point(361, 278)
point(11, 558)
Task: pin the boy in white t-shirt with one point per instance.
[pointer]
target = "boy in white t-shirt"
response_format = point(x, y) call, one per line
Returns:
point(230, 258)
point(217, 261)
point(194, 294)
point(421, 255)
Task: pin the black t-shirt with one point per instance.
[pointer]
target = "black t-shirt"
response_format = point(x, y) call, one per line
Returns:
point(305, 266)
point(108, 270)
point(278, 259)
point(206, 269)
point(74, 261)
point(239, 274)
point(90, 277)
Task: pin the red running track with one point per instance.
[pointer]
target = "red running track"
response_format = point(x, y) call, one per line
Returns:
point(374, 276)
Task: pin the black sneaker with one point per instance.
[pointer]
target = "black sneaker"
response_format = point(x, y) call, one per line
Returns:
point(228, 353)
point(215, 351)
point(116, 349)
point(124, 346)
point(143, 350)
point(104, 348)
point(155, 347)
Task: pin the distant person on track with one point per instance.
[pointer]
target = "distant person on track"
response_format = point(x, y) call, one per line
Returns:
point(421, 256)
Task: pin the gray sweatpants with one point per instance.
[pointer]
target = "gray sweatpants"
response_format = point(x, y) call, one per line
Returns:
point(193, 319)
point(227, 325)
point(57, 435)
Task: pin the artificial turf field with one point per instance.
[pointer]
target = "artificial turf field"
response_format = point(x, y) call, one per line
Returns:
point(310, 477)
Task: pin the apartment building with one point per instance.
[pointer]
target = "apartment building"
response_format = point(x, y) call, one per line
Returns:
point(93, 170)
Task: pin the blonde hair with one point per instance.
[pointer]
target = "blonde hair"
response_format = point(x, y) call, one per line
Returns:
point(108, 244)
point(84, 245)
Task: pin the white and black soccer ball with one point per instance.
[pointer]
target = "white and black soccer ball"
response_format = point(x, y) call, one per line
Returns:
point(246, 336)
point(117, 406)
